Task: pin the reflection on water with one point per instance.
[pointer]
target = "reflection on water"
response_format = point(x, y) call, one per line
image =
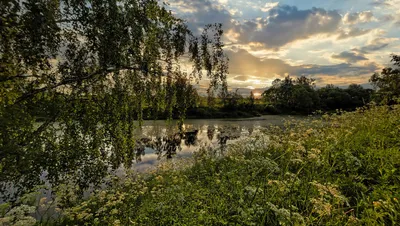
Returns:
point(156, 140)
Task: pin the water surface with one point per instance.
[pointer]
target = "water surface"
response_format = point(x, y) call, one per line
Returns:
point(160, 139)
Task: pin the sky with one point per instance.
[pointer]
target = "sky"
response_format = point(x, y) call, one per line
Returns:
point(336, 42)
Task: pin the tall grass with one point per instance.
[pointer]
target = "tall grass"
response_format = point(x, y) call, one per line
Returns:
point(337, 170)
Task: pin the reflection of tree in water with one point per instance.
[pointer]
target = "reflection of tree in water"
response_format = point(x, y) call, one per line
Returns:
point(140, 146)
point(228, 133)
point(210, 132)
point(190, 138)
point(168, 145)
point(163, 146)
point(171, 144)
point(251, 130)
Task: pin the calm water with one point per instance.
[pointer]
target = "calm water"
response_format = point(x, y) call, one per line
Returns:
point(158, 140)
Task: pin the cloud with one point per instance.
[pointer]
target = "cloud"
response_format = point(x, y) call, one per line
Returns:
point(242, 78)
point(352, 32)
point(387, 18)
point(246, 91)
point(199, 13)
point(242, 63)
point(343, 82)
point(349, 57)
point(337, 70)
point(281, 25)
point(269, 5)
point(391, 18)
point(379, 3)
point(286, 24)
point(374, 45)
point(358, 17)
point(272, 30)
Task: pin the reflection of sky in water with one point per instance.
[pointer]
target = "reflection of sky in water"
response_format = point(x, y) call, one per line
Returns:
point(212, 133)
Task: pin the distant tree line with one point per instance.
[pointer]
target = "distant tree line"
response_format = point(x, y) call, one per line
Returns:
point(300, 95)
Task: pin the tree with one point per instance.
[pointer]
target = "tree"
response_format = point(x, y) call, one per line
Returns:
point(252, 100)
point(101, 62)
point(333, 98)
point(293, 94)
point(359, 95)
point(232, 100)
point(388, 82)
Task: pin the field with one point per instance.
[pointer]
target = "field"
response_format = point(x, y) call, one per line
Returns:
point(339, 170)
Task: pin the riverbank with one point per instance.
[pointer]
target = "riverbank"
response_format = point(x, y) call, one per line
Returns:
point(336, 170)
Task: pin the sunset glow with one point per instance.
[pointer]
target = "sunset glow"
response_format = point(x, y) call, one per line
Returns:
point(333, 41)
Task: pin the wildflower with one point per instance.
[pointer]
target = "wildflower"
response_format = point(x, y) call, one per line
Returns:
point(159, 178)
point(309, 131)
point(312, 156)
point(377, 204)
point(322, 208)
point(353, 220)
point(315, 151)
point(114, 212)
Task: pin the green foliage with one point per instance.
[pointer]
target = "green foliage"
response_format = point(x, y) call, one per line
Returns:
point(300, 96)
point(87, 70)
point(252, 100)
point(336, 170)
point(334, 98)
point(388, 83)
point(232, 100)
point(19, 215)
point(290, 94)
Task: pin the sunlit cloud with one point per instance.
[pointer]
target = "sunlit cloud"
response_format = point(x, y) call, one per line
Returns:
point(359, 17)
point(268, 39)
point(269, 5)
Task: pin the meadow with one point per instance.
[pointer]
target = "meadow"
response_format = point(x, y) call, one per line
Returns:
point(342, 169)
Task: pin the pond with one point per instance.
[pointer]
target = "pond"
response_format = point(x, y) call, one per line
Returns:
point(157, 140)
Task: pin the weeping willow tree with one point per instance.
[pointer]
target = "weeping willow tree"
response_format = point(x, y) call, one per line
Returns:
point(86, 69)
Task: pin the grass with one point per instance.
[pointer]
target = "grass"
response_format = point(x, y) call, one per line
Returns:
point(337, 170)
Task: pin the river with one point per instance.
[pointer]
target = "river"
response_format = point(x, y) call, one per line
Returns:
point(160, 139)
